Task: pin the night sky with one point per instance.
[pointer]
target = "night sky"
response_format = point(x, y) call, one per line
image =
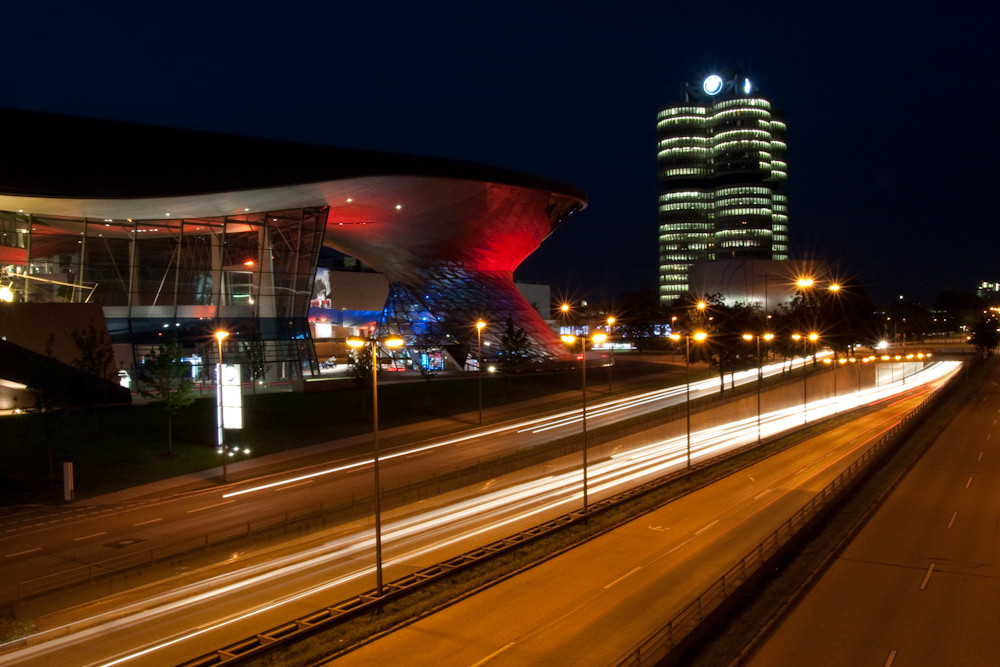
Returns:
point(892, 115)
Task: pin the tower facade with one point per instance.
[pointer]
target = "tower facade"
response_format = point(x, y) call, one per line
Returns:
point(721, 162)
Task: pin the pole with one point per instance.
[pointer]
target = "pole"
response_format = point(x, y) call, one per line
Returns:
point(219, 411)
point(805, 409)
point(760, 378)
point(687, 391)
point(378, 499)
point(611, 353)
point(583, 346)
point(479, 367)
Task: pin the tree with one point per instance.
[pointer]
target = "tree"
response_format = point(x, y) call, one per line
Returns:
point(728, 324)
point(637, 316)
point(359, 361)
point(515, 348)
point(985, 336)
point(962, 310)
point(166, 378)
point(95, 360)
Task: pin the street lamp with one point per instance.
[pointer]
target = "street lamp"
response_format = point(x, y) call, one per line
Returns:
point(760, 371)
point(698, 336)
point(220, 336)
point(569, 339)
point(392, 341)
point(611, 351)
point(812, 337)
point(479, 366)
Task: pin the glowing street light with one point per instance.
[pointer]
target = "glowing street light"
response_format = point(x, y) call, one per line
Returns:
point(220, 336)
point(598, 337)
point(698, 336)
point(760, 371)
point(392, 341)
point(479, 366)
point(812, 337)
point(611, 351)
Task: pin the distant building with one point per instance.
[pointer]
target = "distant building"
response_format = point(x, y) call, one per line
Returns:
point(721, 161)
point(989, 292)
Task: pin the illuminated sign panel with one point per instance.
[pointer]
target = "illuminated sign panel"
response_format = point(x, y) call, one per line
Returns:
point(232, 397)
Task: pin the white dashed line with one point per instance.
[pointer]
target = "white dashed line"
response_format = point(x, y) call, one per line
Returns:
point(707, 527)
point(87, 537)
point(21, 553)
point(208, 507)
point(629, 574)
point(145, 523)
point(930, 570)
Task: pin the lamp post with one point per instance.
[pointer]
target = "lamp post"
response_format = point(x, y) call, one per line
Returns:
point(220, 336)
point(760, 372)
point(569, 339)
point(611, 352)
point(813, 337)
point(392, 341)
point(698, 336)
point(479, 366)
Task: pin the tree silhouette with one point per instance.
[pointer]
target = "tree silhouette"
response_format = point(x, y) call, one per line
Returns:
point(166, 378)
point(985, 336)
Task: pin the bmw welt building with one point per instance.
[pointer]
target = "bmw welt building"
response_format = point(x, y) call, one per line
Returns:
point(165, 232)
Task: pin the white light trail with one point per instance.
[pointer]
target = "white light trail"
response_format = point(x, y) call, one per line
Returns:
point(452, 525)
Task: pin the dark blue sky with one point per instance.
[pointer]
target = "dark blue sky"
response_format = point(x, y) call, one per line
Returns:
point(891, 115)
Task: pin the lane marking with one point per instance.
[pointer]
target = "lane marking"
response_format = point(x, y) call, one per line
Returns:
point(676, 548)
point(707, 527)
point(87, 537)
point(891, 659)
point(21, 553)
point(629, 574)
point(762, 494)
point(208, 507)
point(923, 584)
point(493, 655)
point(146, 523)
point(953, 515)
point(969, 483)
point(980, 458)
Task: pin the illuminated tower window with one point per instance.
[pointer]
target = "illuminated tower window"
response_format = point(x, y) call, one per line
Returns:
point(722, 167)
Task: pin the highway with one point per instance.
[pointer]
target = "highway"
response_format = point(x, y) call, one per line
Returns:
point(592, 605)
point(920, 583)
point(49, 540)
point(195, 611)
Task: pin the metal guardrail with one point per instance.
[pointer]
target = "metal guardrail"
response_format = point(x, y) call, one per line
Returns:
point(676, 633)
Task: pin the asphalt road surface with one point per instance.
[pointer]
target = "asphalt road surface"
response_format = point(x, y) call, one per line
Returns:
point(194, 611)
point(592, 605)
point(920, 583)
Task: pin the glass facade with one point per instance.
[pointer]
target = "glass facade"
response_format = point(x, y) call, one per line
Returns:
point(721, 160)
point(250, 274)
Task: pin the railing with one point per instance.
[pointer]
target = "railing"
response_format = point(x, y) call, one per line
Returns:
point(678, 633)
